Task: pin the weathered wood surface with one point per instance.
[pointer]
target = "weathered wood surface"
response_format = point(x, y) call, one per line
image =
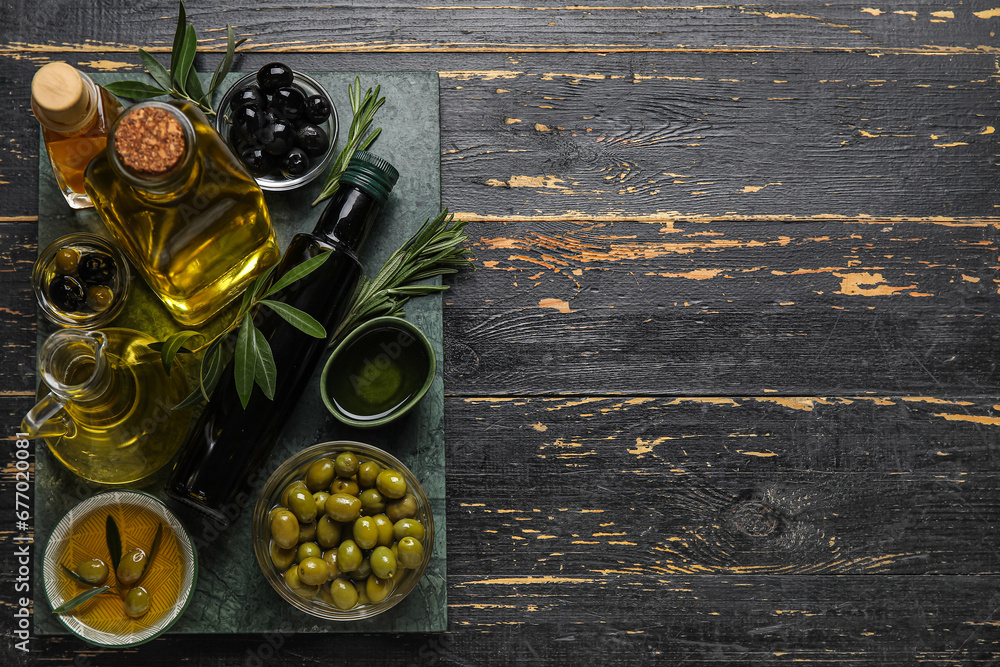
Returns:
point(723, 388)
point(640, 136)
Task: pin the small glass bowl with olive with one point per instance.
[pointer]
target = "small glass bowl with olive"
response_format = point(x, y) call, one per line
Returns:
point(81, 281)
point(343, 531)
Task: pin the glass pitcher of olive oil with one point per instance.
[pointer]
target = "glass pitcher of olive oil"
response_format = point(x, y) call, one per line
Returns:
point(107, 414)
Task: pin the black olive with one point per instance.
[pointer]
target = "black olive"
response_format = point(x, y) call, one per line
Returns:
point(250, 95)
point(312, 140)
point(295, 163)
point(248, 121)
point(273, 76)
point(237, 141)
point(317, 109)
point(67, 293)
point(278, 137)
point(258, 161)
point(96, 268)
point(289, 103)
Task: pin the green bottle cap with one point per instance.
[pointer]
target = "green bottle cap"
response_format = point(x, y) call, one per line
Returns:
point(372, 174)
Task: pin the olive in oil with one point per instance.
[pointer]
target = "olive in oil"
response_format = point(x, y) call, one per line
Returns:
point(183, 208)
point(164, 581)
point(381, 370)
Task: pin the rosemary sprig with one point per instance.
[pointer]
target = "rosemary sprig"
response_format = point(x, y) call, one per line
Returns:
point(436, 249)
point(363, 108)
point(181, 80)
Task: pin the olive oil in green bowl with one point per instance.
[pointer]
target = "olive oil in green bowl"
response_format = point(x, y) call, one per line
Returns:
point(378, 373)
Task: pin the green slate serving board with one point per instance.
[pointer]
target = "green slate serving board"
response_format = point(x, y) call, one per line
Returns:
point(232, 595)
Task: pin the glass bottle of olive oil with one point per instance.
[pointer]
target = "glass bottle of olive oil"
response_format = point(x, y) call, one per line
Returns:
point(75, 115)
point(182, 207)
point(229, 442)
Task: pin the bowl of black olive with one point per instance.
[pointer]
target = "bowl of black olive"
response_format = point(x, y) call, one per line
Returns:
point(281, 124)
point(81, 281)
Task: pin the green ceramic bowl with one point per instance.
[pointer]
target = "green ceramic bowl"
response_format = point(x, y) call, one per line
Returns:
point(378, 372)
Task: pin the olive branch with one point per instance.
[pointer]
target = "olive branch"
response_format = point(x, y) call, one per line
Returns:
point(181, 80)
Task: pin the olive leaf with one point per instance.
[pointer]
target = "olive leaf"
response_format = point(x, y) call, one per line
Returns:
point(72, 604)
point(74, 575)
point(170, 347)
point(245, 360)
point(155, 69)
point(175, 52)
point(154, 547)
point(297, 272)
point(114, 540)
point(299, 319)
point(134, 90)
point(266, 374)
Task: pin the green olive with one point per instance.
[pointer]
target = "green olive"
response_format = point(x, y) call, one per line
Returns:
point(291, 577)
point(408, 528)
point(362, 593)
point(93, 571)
point(367, 472)
point(302, 505)
point(297, 485)
point(378, 589)
point(320, 497)
point(285, 529)
point(327, 532)
point(342, 507)
point(131, 566)
point(346, 464)
point(390, 484)
point(282, 558)
point(306, 592)
point(384, 529)
point(372, 502)
point(411, 552)
point(344, 594)
point(365, 532)
point(324, 594)
point(404, 508)
point(67, 260)
point(307, 532)
point(320, 474)
point(99, 297)
point(307, 550)
point(383, 562)
point(362, 572)
point(330, 556)
point(349, 556)
point(313, 571)
point(136, 602)
point(344, 485)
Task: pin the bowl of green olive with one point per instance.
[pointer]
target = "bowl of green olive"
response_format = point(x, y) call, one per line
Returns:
point(119, 569)
point(343, 531)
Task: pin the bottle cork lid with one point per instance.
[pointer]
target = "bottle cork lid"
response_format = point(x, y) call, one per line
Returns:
point(58, 91)
point(149, 141)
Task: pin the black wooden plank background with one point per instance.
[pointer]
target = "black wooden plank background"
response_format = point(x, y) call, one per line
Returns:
point(723, 386)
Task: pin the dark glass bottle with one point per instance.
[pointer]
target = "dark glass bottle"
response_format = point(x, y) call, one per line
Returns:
point(229, 442)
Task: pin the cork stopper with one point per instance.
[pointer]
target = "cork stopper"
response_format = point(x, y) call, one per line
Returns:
point(149, 142)
point(60, 94)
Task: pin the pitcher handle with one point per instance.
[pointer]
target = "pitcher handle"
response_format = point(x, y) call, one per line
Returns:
point(48, 419)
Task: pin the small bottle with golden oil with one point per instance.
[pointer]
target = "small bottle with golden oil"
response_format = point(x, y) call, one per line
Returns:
point(182, 207)
point(75, 114)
